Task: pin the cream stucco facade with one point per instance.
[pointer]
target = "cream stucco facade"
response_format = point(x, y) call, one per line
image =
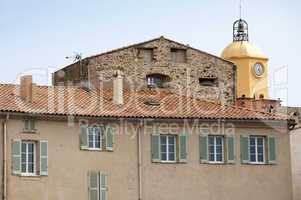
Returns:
point(296, 162)
point(68, 166)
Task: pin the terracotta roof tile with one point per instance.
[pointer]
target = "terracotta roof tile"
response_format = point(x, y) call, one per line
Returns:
point(142, 104)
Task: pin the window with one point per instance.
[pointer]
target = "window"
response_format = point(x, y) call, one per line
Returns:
point(28, 160)
point(216, 146)
point(257, 149)
point(178, 55)
point(157, 80)
point(29, 125)
point(94, 137)
point(98, 185)
point(148, 55)
point(208, 82)
point(168, 148)
point(154, 81)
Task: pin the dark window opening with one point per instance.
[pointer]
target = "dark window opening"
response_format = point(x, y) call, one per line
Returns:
point(178, 55)
point(208, 82)
point(157, 80)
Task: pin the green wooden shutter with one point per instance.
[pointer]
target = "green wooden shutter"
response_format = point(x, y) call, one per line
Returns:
point(43, 157)
point(109, 139)
point(231, 149)
point(272, 158)
point(103, 186)
point(16, 157)
point(155, 145)
point(203, 145)
point(93, 189)
point(84, 137)
point(183, 148)
point(244, 149)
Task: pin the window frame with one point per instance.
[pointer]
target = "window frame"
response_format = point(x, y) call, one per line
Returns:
point(167, 149)
point(215, 149)
point(94, 135)
point(256, 162)
point(26, 173)
point(31, 124)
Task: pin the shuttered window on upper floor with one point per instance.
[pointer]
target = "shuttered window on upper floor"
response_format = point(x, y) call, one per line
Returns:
point(99, 138)
point(258, 149)
point(169, 148)
point(217, 149)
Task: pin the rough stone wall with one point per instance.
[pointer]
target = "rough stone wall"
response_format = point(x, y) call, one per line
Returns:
point(184, 77)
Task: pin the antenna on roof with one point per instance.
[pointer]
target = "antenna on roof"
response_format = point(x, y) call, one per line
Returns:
point(240, 8)
point(76, 57)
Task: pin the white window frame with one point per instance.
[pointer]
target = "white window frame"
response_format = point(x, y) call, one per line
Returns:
point(27, 158)
point(94, 138)
point(256, 150)
point(30, 123)
point(167, 149)
point(215, 149)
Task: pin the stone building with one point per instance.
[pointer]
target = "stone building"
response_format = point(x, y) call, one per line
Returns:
point(180, 68)
point(155, 120)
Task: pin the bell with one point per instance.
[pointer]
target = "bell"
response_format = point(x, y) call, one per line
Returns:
point(241, 27)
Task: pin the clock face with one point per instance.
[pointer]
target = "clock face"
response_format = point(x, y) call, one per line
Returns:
point(258, 69)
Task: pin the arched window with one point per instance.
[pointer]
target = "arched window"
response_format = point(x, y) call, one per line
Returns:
point(157, 80)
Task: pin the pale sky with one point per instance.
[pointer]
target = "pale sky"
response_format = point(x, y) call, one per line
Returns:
point(36, 36)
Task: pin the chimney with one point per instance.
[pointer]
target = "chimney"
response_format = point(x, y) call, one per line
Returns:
point(26, 88)
point(118, 88)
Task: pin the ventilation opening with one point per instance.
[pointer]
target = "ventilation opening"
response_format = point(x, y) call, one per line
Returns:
point(211, 82)
point(152, 102)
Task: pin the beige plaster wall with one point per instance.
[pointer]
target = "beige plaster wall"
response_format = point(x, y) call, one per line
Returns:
point(228, 182)
point(68, 167)
point(1, 159)
point(296, 162)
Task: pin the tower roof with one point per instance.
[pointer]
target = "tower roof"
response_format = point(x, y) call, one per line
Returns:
point(242, 49)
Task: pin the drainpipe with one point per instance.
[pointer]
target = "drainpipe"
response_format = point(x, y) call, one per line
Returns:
point(139, 162)
point(4, 157)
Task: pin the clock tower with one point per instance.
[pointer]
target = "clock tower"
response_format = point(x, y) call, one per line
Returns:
point(252, 68)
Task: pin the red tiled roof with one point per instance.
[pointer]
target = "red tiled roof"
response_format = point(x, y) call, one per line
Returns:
point(79, 102)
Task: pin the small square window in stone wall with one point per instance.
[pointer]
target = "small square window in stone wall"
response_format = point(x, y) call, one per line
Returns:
point(147, 55)
point(178, 55)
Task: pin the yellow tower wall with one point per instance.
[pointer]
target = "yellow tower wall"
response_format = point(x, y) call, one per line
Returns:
point(248, 83)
